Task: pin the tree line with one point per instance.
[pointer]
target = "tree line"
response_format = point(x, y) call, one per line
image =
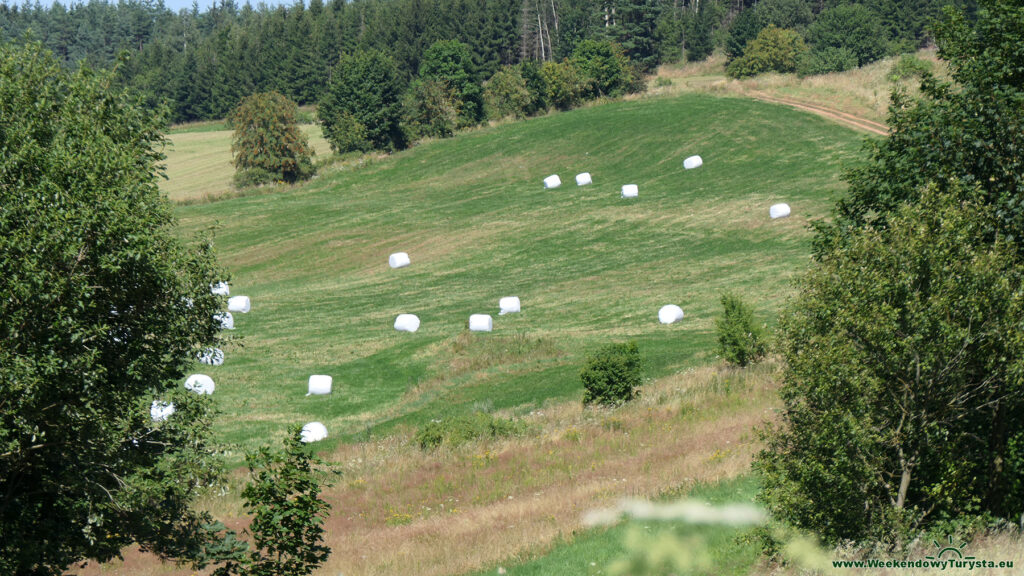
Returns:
point(204, 62)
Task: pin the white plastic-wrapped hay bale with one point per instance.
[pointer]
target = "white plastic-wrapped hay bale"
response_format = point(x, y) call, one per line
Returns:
point(778, 211)
point(398, 260)
point(313, 432)
point(211, 356)
point(239, 304)
point(407, 323)
point(220, 289)
point(200, 384)
point(227, 321)
point(693, 162)
point(161, 411)
point(319, 384)
point(584, 179)
point(552, 181)
point(480, 323)
point(630, 191)
point(670, 314)
point(508, 305)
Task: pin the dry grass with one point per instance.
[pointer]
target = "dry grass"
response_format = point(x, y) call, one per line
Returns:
point(398, 510)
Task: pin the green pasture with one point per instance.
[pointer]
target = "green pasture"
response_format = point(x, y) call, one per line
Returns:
point(589, 266)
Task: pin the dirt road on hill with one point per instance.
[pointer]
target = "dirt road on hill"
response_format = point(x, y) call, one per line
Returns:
point(843, 118)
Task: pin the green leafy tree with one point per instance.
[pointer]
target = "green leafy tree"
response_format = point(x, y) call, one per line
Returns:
point(268, 145)
point(605, 65)
point(431, 109)
point(740, 340)
point(102, 310)
point(774, 50)
point(283, 496)
point(564, 83)
point(850, 27)
point(506, 94)
point(451, 62)
point(904, 388)
point(612, 375)
point(362, 106)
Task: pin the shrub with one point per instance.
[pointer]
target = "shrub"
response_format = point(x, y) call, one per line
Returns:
point(268, 144)
point(774, 50)
point(458, 430)
point(536, 84)
point(506, 94)
point(361, 108)
point(431, 109)
point(604, 65)
point(909, 66)
point(451, 62)
point(565, 84)
point(612, 375)
point(740, 340)
point(826, 60)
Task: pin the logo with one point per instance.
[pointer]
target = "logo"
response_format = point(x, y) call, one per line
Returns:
point(953, 552)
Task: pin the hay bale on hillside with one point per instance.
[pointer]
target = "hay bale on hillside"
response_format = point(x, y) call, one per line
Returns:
point(211, 356)
point(319, 384)
point(220, 289)
point(552, 181)
point(480, 323)
point(407, 323)
point(239, 304)
point(227, 321)
point(200, 384)
point(160, 411)
point(398, 260)
point(630, 191)
point(583, 179)
point(778, 211)
point(693, 162)
point(508, 305)
point(313, 432)
point(670, 314)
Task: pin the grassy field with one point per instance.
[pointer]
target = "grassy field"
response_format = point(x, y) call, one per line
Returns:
point(589, 266)
point(199, 160)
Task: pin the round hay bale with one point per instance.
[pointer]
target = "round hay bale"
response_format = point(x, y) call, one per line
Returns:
point(508, 305)
point(239, 304)
point(693, 162)
point(319, 384)
point(211, 356)
point(670, 314)
point(313, 432)
point(407, 323)
point(630, 191)
point(220, 289)
point(778, 211)
point(481, 323)
point(584, 179)
point(227, 321)
point(398, 260)
point(161, 411)
point(200, 384)
point(552, 181)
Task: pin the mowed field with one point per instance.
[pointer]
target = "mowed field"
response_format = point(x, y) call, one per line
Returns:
point(589, 266)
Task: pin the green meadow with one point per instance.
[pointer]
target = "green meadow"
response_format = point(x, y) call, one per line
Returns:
point(588, 266)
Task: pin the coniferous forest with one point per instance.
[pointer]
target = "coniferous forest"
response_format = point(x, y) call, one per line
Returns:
point(202, 63)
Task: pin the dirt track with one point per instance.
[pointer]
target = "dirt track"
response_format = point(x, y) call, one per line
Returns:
point(830, 113)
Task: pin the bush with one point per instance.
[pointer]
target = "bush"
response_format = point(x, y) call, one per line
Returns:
point(431, 109)
point(852, 27)
point(774, 50)
point(565, 84)
point(506, 94)
point(536, 84)
point(268, 144)
point(612, 375)
point(826, 60)
point(458, 430)
point(740, 340)
point(451, 62)
point(361, 108)
point(909, 66)
point(605, 66)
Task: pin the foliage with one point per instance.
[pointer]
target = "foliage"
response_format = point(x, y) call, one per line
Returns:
point(268, 142)
point(851, 27)
point(536, 83)
point(431, 109)
point(740, 340)
point(604, 65)
point(826, 60)
point(909, 66)
point(458, 430)
point(507, 95)
point(102, 309)
point(612, 375)
point(790, 14)
point(362, 106)
point(283, 496)
point(700, 43)
point(451, 62)
point(564, 83)
point(904, 380)
point(744, 28)
point(774, 50)
point(970, 129)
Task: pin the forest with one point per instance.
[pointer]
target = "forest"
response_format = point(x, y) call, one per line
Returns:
point(202, 63)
